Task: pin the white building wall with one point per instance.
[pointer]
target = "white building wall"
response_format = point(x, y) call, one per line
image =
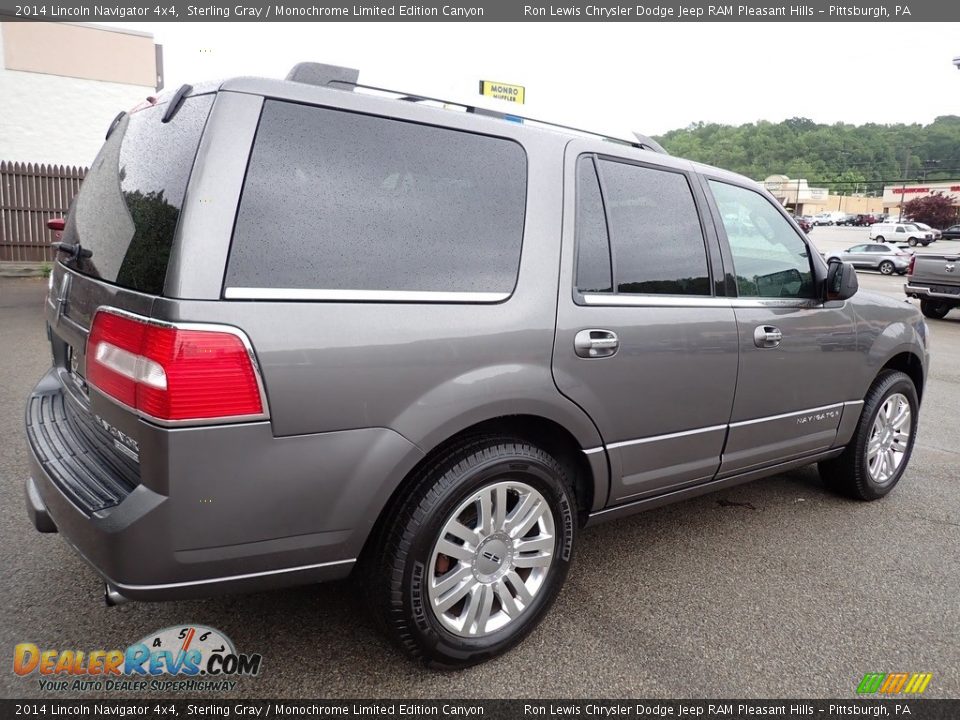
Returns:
point(58, 120)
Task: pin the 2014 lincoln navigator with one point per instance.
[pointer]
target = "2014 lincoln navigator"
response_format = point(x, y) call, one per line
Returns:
point(305, 328)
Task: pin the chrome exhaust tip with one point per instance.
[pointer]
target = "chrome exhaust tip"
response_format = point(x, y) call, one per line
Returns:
point(112, 596)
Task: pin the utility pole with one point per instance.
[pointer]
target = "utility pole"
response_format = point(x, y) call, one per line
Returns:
point(903, 187)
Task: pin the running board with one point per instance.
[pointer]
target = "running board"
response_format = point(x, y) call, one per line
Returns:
point(619, 511)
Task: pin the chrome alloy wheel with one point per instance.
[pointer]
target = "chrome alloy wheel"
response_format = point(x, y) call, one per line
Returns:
point(491, 560)
point(889, 438)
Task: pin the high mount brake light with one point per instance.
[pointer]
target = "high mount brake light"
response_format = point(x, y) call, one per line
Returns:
point(173, 373)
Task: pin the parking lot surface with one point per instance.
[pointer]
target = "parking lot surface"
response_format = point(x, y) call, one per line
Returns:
point(771, 589)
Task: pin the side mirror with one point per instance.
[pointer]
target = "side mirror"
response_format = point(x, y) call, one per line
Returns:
point(842, 280)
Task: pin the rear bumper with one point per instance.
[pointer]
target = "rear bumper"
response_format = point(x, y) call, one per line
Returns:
point(919, 291)
point(244, 511)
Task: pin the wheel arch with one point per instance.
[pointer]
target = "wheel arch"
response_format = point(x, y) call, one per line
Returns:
point(910, 364)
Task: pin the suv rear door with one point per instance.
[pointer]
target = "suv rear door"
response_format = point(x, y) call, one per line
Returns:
point(646, 343)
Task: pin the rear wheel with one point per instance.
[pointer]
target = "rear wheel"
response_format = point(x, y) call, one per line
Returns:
point(936, 309)
point(877, 455)
point(886, 268)
point(878, 238)
point(475, 554)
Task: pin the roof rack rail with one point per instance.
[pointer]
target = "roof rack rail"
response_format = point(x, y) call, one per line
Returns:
point(334, 76)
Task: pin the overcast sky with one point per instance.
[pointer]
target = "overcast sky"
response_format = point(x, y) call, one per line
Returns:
point(611, 77)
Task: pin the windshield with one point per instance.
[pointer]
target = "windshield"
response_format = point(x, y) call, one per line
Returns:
point(127, 210)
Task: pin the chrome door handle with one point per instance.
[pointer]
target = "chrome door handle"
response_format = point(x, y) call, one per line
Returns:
point(596, 343)
point(767, 336)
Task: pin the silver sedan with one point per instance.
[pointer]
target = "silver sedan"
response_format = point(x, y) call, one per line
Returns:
point(886, 258)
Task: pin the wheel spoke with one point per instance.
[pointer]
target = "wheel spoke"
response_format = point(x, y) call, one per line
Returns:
point(499, 508)
point(507, 602)
point(873, 447)
point(461, 531)
point(520, 524)
point(902, 417)
point(523, 595)
point(541, 543)
point(451, 580)
point(442, 604)
point(532, 561)
point(485, 514)
point(455, 551)
point(477, 611)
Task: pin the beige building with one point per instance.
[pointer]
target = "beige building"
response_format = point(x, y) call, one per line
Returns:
point(801, 199)
point(895, 195)
point(62, 83)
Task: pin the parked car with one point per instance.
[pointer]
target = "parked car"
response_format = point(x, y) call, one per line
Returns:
point(824, 218)
point(864, 220)
point(952, 233)
point(887, 259)
point(305, 328)
point(846, 219)
point(804, 224)
point(937, 234)
point(900, 232)
point(935, 281)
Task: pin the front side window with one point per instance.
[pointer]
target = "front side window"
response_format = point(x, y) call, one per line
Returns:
point(655, 234)
point(770, 259)
point(337, 201)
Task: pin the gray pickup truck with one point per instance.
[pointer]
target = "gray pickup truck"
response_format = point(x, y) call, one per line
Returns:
point(935, 281)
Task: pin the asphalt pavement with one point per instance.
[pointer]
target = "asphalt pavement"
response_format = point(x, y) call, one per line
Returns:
point(772, 589)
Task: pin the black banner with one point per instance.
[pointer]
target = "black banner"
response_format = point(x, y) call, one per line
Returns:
point(916, 709)
point(483, 11)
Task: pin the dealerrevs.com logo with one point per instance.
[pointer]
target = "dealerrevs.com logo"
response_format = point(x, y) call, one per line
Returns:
point(188, 657)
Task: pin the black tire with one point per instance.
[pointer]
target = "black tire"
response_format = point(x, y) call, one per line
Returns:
point(935, 309)
point(878, 238)
point(848, 474)
point(912, 242)
point(886, 268)
point(399, 568)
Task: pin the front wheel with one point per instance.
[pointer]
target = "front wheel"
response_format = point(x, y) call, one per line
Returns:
point(935, 309)
point(473, 557)
point(877, 455)
point(912, 242)
point(886, 268)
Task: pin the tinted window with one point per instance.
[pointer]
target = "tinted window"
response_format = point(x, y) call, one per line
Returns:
point(337, 200)
point(655, 233)
point(858, 249)
point(877, 248)
point(769, 257)
point(127, 210)
point(593, 248)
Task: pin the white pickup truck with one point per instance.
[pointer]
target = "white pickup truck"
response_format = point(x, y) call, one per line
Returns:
point(935, 280)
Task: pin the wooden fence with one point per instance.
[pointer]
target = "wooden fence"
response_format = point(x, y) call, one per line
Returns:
point(31, 194)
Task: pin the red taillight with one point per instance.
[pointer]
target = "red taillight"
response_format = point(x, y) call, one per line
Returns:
point(913, 261)
point(56, 224)
point(172, 373)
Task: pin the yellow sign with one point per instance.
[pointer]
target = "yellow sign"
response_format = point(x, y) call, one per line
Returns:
point(502, 91)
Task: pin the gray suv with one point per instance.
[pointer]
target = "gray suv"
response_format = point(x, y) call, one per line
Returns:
point(302, 329)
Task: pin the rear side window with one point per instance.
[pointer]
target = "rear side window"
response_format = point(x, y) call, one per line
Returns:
point(127, 210)
point(341, 201)
point(655, 237)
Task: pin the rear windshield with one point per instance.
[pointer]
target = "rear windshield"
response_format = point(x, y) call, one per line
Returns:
point(127, 210)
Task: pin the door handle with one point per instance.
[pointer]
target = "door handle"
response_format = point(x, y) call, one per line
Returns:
point(767, 336)
point(596, 343)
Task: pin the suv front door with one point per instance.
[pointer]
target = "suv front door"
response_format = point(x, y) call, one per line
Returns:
point(646, 343)
point(797, 353)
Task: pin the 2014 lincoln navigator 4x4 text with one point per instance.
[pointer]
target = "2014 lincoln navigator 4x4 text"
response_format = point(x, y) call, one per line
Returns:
point(301, 330)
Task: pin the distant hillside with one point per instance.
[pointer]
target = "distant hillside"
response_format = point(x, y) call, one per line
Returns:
point(847, 158)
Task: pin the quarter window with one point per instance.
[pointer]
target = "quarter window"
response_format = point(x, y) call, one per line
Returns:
point(769, 257)
point(594, 272)
point(343, 201)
